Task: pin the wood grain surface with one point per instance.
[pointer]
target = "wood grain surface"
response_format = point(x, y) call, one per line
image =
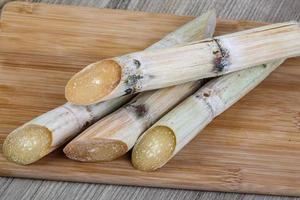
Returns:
point(44, 189)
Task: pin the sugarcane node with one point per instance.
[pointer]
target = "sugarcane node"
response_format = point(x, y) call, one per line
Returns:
point(132, 82)
point(222, 56)
point(140, 110)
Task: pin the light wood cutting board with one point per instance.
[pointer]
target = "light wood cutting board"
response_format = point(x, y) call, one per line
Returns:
point(253, 147)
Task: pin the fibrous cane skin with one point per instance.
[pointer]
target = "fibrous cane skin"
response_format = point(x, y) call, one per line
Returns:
point(114, 135)
point(159, 68)
point(178, 127)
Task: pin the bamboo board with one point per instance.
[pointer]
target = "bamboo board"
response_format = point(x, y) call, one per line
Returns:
point(253, 147)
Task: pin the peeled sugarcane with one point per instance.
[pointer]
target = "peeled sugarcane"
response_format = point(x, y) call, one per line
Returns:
point(178, 127)
point(114, 135)
point(148, 70)
point(42, 135)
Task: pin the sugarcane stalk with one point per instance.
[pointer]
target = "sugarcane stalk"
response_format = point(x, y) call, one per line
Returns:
point(148, 70)
point(178, 127)
point(114, 135)
point(42, 135)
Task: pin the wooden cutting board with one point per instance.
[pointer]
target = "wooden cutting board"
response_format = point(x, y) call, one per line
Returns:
point(253, 147)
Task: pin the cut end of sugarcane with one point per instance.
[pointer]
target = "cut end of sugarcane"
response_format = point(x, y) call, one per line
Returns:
point(95, 150)
point(154, 148)
point(93, 83)
point(27, 144)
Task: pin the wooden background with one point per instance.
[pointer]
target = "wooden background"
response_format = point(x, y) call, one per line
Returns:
point(266, 10)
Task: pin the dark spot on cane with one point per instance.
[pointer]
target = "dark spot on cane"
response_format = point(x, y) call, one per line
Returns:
point(137, 63)
point(206, 94)
point(132, 80)
point(264, 65)
point(86, 125)
point(140, 110)
point(129, 91)
point(88, 109)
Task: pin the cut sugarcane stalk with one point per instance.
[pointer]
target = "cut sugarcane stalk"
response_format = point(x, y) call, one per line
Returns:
point(42, 135)
point(178, 127)
point(49, 131)
point(114, 135)
point(148, 70)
